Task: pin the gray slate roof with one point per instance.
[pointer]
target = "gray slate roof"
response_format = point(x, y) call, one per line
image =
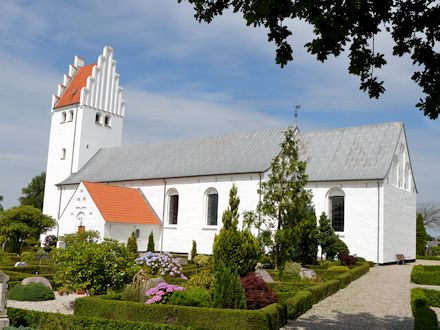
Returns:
point(356, 153)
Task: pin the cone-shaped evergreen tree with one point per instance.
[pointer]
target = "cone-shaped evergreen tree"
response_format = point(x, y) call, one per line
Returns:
point(150, 246)
point(421, 235)
point(132, 244)
point(326, 236)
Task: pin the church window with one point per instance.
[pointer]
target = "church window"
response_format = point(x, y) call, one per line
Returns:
point(107, 121)
point(63, 153)
point(70, 118)
point(137, 233)
point(98, 119)
point(173, 207)
point(337, 209)
point(63, 117)
point(211, 207)
point(80, 218)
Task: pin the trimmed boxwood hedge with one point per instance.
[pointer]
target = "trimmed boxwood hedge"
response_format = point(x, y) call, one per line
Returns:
point(299, 304)
point(424, 317)
point(56, 321)
point(323, 290)
point(31, 269)
point(429, 275)
point(273, 316)
point(358, 271)
point(344, 279)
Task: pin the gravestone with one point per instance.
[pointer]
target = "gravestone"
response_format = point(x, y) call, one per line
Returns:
point(4, 321)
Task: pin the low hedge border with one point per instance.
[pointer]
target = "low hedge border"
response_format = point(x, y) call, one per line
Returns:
point(429, 275)
point(428, 258)
point(303, 300)
point(424, 317)
point(273, 316)
point(57, 321)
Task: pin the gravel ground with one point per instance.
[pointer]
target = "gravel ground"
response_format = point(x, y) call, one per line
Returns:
point(61, 304)
point(378, 300)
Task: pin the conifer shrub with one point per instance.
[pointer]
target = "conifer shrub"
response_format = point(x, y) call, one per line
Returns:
point(31, 292)
point(292, 268)
point(228, 291)
point(150, 247)
point(197, 297)
point(238, 250)
point(132, 244)
point(258, 293)
point(193, 250)
point(202, 261)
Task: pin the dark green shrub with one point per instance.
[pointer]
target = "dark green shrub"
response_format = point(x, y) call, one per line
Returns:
point(299, 304)
point(429, 275)
point(238, 250)
point(132, 244)
point(150, 246)
point(228, 291)
point(270, 317)
point(323, 290)
point(193, 250)
point(371, 263)
point(198, 297)
point(258, 293)
point(435, 250)
point(286, 290)
point(31, 292)
point(424, 317)
point(360, 259)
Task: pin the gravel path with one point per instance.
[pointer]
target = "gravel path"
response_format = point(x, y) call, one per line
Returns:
point(378, 300)
point(62, 304)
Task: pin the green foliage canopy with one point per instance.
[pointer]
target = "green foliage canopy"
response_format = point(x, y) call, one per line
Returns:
point(33, 193)
point(94, 267)
point(350, 26)
point(22, 223)
point(327, 237)
point(228, 291)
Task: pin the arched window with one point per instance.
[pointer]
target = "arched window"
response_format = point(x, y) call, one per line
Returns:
point(70, 118)
point(80, 218)
point(211, 207)
point(63, 153)
point(98, 119)
point(173, 206)
point(137, 232)
point(63, 117)
point(336, 202)
point(107, 121)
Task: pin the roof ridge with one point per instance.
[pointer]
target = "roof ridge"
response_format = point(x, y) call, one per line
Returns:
point(106, 184)
point(353, 127)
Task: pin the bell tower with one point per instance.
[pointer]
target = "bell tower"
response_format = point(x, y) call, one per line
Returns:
point(86, 114)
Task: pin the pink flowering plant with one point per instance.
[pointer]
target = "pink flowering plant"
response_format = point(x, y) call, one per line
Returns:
point(161, 264)
point(161, 293)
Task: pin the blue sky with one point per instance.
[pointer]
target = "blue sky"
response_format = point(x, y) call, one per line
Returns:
point(182, 78)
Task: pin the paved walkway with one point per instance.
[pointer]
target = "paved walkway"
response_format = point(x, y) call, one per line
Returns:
point(378, 300)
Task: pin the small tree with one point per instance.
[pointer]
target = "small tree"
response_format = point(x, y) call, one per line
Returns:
point(238, 250)
point(326, 235)
point(33, 193)
point(420, 235)
point(1, 200)
point(23, 223)
point(132, 244)
point(150, 246)
point(285, 201)
point(193, 250)
point(228, 291)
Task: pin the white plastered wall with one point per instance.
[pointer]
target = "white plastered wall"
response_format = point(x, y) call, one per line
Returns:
point(361, 214)
point(122, 231)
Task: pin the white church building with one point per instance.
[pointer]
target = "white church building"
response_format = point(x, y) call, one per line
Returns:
point(360, 176)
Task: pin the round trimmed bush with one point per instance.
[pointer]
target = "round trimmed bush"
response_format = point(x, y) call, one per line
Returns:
point(31, 292)
point(198, 297)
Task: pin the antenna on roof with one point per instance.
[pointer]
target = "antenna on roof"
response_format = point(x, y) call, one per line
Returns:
point(297, 107)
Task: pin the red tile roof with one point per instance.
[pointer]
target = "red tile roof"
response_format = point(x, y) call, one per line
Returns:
point(72, 92)
point(119, 204)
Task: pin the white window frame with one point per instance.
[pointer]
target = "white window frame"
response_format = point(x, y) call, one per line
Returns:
point(208, 192)
point(172, 192)
point(336, 192)
point(70, 117)
point(63, 117)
